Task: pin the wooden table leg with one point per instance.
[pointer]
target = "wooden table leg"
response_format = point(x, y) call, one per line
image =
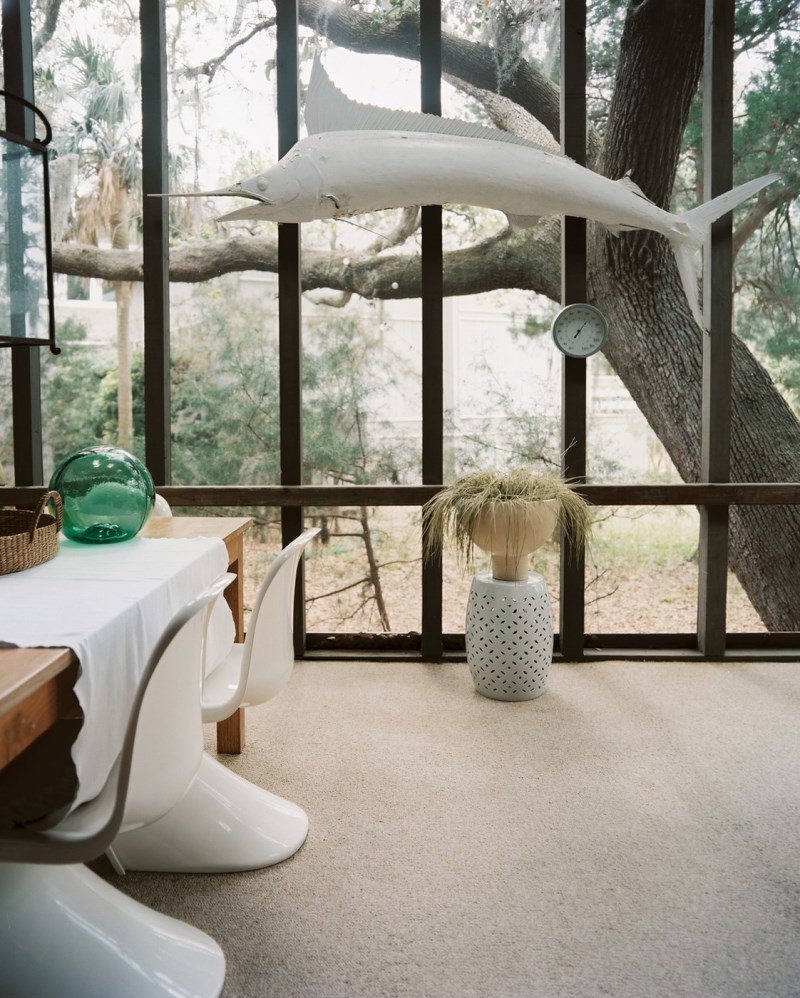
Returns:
point(230, 732)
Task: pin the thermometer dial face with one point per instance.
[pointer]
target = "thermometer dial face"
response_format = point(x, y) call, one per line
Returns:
point(579, 330)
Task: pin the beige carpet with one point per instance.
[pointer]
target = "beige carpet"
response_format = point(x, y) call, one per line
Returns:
point(633, 832)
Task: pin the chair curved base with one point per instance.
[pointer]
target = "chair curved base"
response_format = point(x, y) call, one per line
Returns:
point(223, 823)
point(67, 932)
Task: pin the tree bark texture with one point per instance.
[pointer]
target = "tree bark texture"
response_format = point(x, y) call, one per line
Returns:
point(655, 346)
point(529, 260)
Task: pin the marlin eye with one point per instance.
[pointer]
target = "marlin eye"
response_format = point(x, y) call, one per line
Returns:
point(261, 184)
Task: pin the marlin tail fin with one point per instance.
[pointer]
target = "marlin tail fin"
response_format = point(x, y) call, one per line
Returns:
point(694, 229)
point(698, 219)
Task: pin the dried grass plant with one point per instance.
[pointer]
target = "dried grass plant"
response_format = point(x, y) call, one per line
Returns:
point(450, 516)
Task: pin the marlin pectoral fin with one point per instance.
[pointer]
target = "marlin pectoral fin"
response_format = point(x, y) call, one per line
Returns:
point(518, 222)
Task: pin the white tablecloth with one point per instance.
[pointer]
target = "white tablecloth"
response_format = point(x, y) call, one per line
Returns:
point(109, 603)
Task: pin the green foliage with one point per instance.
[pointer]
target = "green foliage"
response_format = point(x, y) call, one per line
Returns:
point(72, 384)
point(605, 22)
point(759, 20)
point(346, 369)
point(532, 327)
point(108, 404)
point(102, 129)
point(392, 10)
point(769, 323)
point(225, 424)
point(767, 133)
point(767, 138)
point(225, 411)
point(530, 435)
point(631, 538)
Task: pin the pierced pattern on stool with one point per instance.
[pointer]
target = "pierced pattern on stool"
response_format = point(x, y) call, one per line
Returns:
point(509, 637)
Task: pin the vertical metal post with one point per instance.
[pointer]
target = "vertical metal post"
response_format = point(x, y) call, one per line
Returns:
point(26, 402)
point(573, 289)
point(155, 240)
point(717, 319)
point(290, 348)
point(430, 27)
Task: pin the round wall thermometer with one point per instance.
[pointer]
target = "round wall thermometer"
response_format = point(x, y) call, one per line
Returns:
point(579, 330)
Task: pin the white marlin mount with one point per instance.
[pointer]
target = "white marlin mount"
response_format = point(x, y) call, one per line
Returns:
point(359, 158)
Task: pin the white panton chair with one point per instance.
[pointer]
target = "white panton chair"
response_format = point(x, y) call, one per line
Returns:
point(161, 507)
point(255, 670)
point(169, 744)
point(224, 823)
point(65, 930)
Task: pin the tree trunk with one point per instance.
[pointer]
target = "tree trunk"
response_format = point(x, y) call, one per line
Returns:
point(655, 346)
point(122, 295)
point(374, 571)
point(120, 240)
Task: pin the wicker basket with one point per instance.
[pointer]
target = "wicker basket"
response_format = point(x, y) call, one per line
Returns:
point(28, 538)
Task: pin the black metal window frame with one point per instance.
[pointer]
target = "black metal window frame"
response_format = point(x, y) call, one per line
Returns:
point(713, 496)
point(18, 112)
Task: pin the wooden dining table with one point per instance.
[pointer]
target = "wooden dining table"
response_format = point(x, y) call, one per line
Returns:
point(36, 684)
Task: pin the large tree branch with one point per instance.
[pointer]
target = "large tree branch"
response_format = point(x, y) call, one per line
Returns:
point(528, 260)
point(210, 66)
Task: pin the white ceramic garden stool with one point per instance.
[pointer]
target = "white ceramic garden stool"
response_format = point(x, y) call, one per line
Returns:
point(509, 634)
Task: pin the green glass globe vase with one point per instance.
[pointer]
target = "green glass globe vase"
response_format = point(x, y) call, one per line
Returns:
point(107, 495)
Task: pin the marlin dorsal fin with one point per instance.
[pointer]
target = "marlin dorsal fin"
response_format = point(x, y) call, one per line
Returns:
point(632, 186)
point(327, 109)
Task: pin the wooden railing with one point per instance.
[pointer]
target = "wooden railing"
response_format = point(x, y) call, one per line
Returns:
point(682, 494)
point(650, 645)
